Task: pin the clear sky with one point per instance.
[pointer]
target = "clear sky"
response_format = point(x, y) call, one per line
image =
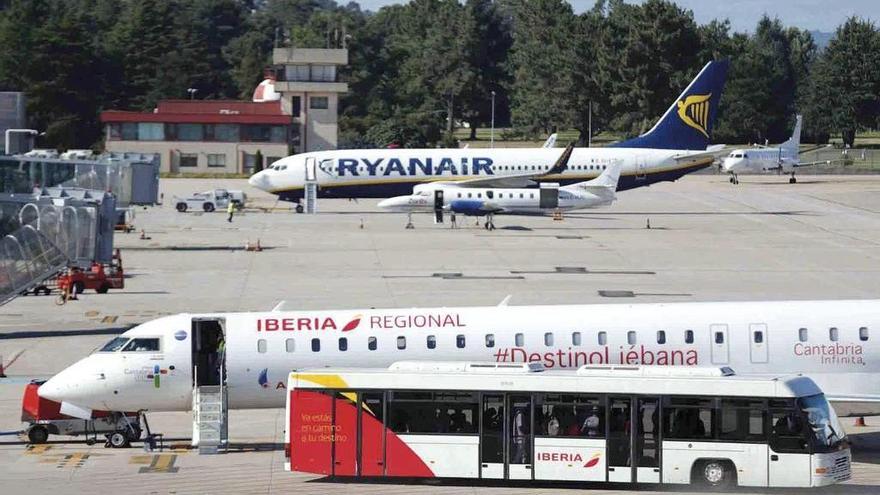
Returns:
point(821, 15)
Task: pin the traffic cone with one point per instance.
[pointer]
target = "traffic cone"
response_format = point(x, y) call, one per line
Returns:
point(860, 421)
point(2, 374)
point(258, 247)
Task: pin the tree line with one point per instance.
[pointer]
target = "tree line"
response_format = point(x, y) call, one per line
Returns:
point(420, 69)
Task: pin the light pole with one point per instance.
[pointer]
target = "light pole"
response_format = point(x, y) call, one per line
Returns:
point(492, 132)
point(192, 93)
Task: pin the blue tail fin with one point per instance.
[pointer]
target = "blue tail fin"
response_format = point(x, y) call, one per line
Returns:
point(688, 123)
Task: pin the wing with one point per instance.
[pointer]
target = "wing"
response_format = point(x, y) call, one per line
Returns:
point(712, 152)
point(518, 180)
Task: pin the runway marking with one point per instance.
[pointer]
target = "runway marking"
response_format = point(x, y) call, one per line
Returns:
point(39, 449)
point(92, 314)
point(159, 463)
point(109, 319)
point(74, 461)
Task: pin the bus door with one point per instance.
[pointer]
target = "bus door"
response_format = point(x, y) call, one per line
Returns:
point(647, 442)
point(371, 435)
point(492, 437)
point(619, 444)
point(506, 437)
point(344, 434)
point(718, 339)
point(519, 437)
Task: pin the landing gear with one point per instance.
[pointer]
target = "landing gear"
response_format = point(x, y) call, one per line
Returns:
point(792, 180)
point(490, 224)
point(734, 179)
point(299, 208)
point(409, 224)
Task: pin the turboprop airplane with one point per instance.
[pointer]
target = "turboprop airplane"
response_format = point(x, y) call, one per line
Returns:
point(783, 159)
point(155, 365)
point(468, 198)
point(675, 146)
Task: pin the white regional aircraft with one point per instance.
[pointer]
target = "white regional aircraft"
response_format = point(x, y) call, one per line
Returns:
point(469, 198)
point(784, 159)
point(675, 146)
point(154, 366)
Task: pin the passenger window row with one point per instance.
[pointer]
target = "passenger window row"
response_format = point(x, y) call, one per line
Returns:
point(833, 334)
point(758, 337)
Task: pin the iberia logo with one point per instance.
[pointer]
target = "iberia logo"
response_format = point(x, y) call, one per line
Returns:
point(157, 372)
point(694, 111)
point(593, 460)
point(352, 324)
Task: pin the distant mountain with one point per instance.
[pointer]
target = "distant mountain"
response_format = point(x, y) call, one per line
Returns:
point(822, 39)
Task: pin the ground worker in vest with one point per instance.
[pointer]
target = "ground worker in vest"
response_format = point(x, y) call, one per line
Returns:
point(230, 209)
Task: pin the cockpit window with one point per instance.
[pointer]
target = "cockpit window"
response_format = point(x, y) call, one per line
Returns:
point(114, 345)
point(142, 345)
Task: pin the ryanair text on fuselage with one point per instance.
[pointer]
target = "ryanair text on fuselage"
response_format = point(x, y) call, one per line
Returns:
point(414, 166)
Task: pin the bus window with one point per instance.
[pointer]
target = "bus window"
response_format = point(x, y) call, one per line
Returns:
point(576, 338)
point(832, 334)
point(372, 344)
point(401, 342)
point(603, 338)
point(459, 341)
point(432, 342)
point(343, 344)
point(289, 345)
point(548, 339)
point(446, 412)
point(490, 340)
point(688, 336)
point(742, 419)
point(631, 337)
point(688, 418)
point(661, 336)
point(787, 432)
point(802, 334)
point(316, 345)
point(519, 340)
point(569, 415)
point(261, 346)
point(863, 334)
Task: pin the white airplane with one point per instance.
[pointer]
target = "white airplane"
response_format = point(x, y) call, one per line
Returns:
point(470, 197)
point(155, 365)
point(677, 144)
point(783, 159)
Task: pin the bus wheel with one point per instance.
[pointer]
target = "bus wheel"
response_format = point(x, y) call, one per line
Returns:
point(717, 473)
point(38, 434)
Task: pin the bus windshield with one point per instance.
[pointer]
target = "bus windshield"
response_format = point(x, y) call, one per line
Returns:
point(826, 429)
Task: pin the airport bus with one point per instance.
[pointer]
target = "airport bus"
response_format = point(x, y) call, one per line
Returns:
point(518, 421)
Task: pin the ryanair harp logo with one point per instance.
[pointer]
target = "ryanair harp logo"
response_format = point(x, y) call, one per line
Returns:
point(694, 111)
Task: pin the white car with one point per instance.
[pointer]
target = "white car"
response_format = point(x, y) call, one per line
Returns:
point(209, 201)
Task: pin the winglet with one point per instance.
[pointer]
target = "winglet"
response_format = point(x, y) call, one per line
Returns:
point(278, 307)
point(551, 141)
point(504, 301)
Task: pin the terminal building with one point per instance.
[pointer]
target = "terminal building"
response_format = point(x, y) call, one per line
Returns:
point(294, 110)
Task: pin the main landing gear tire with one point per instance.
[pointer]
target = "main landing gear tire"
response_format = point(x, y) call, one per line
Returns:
point(300, 209)
point(118, 440)
point(716, 474)
point(181, 207)
point(792, 181)
point(38, 434)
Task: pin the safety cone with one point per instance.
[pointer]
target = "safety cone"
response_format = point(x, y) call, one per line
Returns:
point(860, 421)
point(557, 215)
point(258, 247)
point(2, 374)
point(143, 234)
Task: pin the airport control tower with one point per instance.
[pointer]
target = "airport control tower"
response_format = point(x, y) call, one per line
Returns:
point(308, 81)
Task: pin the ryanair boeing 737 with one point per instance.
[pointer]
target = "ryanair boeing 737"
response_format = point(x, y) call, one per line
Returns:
point(677, 145)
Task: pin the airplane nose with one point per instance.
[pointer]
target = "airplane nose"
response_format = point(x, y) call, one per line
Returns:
point(257, 180)
point(54, 389)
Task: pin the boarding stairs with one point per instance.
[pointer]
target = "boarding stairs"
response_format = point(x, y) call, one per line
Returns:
point(210, 419)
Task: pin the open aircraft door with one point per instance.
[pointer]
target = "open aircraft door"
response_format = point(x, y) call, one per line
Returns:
point(549, 196)
point(438, 206)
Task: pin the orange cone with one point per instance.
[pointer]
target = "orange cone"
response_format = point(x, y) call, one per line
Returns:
point(860, 421)
point(2, 374)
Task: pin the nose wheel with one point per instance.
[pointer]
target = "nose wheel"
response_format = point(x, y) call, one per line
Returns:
point(734, 179)
point(490, 224)
point(792, 180)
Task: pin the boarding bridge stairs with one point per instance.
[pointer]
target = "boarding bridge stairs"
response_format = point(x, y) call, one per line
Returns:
point(211, 419)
